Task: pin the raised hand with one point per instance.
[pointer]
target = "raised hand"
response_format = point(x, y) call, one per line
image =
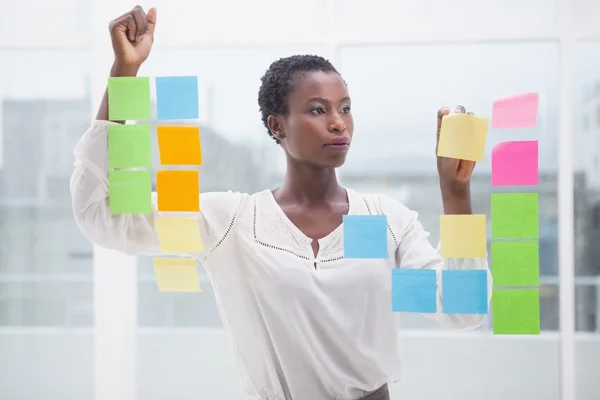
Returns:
point(132, 35)
point(454, 173)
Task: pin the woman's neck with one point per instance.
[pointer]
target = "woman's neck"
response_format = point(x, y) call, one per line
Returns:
point(310, 186)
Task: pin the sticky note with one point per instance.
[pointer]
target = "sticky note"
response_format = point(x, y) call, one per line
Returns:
point(516, 312)
point(177, 97)
point(513, 112)
point(176, 275)
point(128, 98)
point(179, 145)
point(464, 291)
point(178, 235)
point(463, 136)
point(365, 236)
point(516, 263)
point(414, 290)
point(463, 236)
point(515, 163)
point(129, 192)
point(514, 216)
point(129, 146)
point(178, 190)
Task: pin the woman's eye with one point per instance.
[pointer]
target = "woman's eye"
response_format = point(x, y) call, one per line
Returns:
point(317, 111)
point(346, 109)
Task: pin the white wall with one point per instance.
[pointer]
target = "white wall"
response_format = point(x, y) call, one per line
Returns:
point(39, 364)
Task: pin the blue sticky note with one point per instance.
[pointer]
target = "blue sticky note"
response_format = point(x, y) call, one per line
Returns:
point(414, 290)
point(177, 97)
point(365, 236)
point(464, 292)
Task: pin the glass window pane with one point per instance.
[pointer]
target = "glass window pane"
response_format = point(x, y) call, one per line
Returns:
point(45, 262)
point(396, 93)
point(237, 154)
point(46, 289)
point(586, 155)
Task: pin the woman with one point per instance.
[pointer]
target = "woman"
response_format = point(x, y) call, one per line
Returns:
point(306, 323)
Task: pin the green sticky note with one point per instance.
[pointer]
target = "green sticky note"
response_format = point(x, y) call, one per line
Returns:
point(130, 192)
point(129, 98)
point(129, 146)
point(516, 312)
point(514, 216)
point(516, 263)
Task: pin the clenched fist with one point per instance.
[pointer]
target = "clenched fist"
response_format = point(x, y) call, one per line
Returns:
point(132, 35)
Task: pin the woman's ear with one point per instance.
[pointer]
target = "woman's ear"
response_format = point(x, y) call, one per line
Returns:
point(275, 127)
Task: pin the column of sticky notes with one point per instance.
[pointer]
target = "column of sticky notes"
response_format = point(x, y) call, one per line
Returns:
point(129, 154)
point(514, 248)
point(129, 148)
point(462, 136)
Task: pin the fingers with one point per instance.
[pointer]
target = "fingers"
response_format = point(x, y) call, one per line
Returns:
point(151, 18)
point(131, 28)
point(134, 23)
point(440, 115)
point(139, 15)
point(125, 24)
point(465, 170)
point(462, 110)
point(442, 112)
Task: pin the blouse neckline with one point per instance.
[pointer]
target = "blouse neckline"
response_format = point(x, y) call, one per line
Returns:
point(298, 232)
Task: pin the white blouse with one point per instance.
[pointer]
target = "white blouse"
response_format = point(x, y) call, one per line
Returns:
point(299, 331)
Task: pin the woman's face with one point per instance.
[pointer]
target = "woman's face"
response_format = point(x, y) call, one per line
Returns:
point(319, 126)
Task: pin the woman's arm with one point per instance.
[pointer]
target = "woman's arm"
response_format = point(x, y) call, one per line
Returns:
point(117, 71)
point(132, 233)
point(132, 35)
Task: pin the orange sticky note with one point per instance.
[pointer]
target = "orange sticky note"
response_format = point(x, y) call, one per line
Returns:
point(176, 275)
point(179, 145)
point(178, 191)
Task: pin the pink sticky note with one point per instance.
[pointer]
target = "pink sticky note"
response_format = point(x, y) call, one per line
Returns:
point(515, 163)
point(515, 112)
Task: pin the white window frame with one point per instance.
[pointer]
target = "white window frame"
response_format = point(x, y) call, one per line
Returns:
point(115, 274)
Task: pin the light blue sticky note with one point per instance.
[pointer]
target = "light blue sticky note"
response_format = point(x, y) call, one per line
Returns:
point(464, 292)
point(177, 97)
point(365, 236)
point(414, 290)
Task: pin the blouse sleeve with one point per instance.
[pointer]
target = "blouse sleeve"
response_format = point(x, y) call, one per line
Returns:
point(414, 250)
point(132, 234)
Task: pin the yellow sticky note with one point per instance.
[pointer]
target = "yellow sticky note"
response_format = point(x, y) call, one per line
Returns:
point(176, 275)
point(178, 235)
point(463, 236)
point(463, 136)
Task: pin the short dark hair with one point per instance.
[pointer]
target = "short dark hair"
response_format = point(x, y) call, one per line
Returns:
point(278, 82)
